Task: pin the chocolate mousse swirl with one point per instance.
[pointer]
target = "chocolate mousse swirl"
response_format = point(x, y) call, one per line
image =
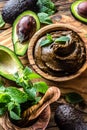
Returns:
point(60, 59)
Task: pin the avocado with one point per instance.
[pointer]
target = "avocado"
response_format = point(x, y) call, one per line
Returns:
point(9, 63)
point(80, 11)
point(26, 23)
point(69, 118)
point(13, 8)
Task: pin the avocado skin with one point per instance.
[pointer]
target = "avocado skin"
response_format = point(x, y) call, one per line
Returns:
point(68, 118)
point(15, 7)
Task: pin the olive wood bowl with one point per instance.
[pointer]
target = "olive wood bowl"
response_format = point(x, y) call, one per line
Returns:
point(33, 42)
point(41, 123)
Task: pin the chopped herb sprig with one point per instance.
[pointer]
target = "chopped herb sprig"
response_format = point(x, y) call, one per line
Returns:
point(49, 40)
point(12, 98)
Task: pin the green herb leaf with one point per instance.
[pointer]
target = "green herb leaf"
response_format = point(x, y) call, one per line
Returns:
point(15, 111)
point(46, 41)
point(2, 111)
point(40, 87)
point(44, 18)
point(46, 6)
point(37, 99)
point(24, 79)
point(3, 108)
point(2, 89)
point(4, 98)
point(49, 36)
point(31, 93)
point(29, 74)
point(73, 97)
point(14, 116)
point(2, 23)
point(17, 95)
point(27, 71)
point(62, 39)
point(11, 105)
point(33, 76)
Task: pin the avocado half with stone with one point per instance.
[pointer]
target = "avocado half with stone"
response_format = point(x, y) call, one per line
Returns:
point(9, 63)
point(21, 48)
point(74, 10)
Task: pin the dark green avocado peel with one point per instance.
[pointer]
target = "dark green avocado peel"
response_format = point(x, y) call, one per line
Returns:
point(14, 8)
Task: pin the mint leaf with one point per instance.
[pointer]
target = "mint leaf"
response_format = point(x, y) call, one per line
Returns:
point(14, 116)
point(2, 89)
point(73, 97)
point(44, 18)
point(33, 76)
point(40, 87)
point(37, 99)
point(29, 74)
point(2, 111)
point(4, 98)
point(11, 105)
point(31, 93)
point(24, 79)
point(62, 39)
point(46, 41)
point(2, 23)
point(27, 71)
point(3, 108)
point(14, 110)
point(17, 95)
point(49, 36)
point(46, 6)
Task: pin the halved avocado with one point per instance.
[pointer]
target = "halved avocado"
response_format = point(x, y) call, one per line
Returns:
point(9, 63)
point(21, 48)
point(74, 10)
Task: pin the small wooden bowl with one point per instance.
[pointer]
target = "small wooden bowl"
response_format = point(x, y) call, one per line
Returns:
point(33, 42)
point(41, 123)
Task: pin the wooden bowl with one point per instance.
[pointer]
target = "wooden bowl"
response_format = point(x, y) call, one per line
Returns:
point(41, 123)
point(33, 42)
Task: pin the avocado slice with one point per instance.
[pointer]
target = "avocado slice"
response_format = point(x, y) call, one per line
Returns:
point(21, 48)
point(74, 10)
point(9, 63)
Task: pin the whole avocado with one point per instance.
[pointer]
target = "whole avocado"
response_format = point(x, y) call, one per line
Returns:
point(69, 118)
point(15, 7)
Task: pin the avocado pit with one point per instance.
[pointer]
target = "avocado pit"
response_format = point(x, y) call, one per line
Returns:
point(82, 9)
point(26, 28)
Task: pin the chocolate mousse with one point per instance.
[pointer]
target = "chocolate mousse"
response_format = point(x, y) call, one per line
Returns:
point(60, 58)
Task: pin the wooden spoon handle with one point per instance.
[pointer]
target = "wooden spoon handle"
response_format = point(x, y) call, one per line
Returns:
point(52, 94)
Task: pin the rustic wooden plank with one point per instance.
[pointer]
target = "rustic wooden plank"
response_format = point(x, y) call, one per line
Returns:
point(79, 84)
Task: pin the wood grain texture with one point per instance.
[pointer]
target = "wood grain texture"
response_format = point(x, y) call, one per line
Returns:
point(63, 15)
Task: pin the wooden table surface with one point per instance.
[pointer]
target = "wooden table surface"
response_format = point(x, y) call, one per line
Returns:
point(63, 7)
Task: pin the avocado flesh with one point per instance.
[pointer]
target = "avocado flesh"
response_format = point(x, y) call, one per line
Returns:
point(75, 12)
point(9, 63)
point(19, 48)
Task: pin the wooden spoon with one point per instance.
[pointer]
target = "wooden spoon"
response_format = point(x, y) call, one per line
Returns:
point(52, 94)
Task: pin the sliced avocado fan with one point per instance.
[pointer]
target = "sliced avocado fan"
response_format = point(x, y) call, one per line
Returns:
point(9, 63)
point(74, 11)
point(21, 48)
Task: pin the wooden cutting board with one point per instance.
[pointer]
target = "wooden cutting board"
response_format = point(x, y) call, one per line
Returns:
point(78, 84)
